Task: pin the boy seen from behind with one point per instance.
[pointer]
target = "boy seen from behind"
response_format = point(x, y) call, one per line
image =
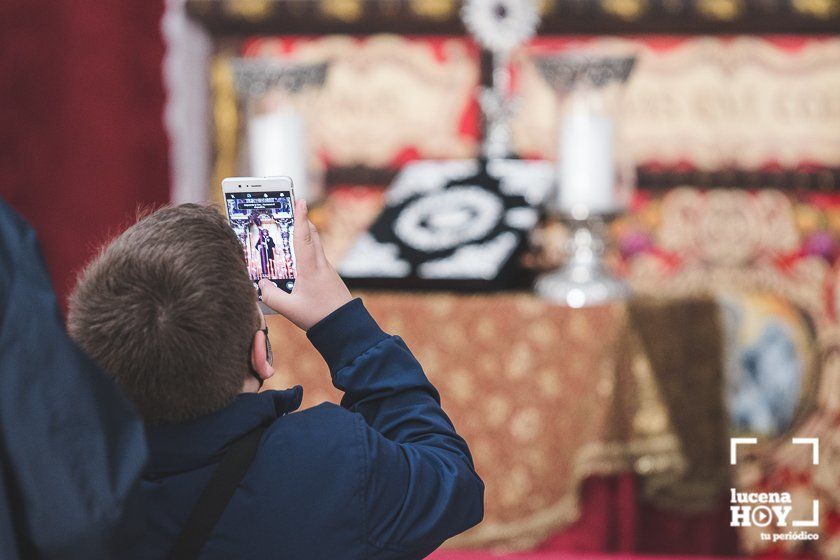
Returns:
point(169, 311)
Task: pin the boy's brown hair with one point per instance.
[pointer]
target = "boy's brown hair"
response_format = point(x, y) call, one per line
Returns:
point(168, 310)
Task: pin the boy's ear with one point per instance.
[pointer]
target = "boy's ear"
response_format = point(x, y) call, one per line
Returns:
point(259, 359)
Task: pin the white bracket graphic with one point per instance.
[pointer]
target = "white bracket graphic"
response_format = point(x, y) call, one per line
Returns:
point(733, 447)
point(763, 521)
point(815, 447)
point(815, 516)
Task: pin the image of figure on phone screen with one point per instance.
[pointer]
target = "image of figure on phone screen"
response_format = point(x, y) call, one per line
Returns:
point(264, 224)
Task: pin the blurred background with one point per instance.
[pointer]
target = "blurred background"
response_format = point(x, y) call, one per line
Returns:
point(609, 229)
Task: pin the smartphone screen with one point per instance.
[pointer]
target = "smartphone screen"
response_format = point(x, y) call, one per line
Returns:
point(264, 224)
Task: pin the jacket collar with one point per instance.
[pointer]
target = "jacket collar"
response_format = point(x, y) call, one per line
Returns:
point(180, 447)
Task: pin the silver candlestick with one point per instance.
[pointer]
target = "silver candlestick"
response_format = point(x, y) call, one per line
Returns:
point(595, 178)
point(583, 280)
point(277, 130)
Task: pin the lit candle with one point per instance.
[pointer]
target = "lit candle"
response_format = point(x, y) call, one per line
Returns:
point(586, 164)
point(277, 145)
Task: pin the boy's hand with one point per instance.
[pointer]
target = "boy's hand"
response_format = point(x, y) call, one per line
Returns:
point(318, 289)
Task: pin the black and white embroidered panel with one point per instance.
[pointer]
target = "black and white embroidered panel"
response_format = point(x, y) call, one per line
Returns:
point(452, 225)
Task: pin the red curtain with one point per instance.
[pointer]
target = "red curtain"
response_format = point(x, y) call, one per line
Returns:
point(83, 142)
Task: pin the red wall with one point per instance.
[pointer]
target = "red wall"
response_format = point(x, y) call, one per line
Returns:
point(82, 141)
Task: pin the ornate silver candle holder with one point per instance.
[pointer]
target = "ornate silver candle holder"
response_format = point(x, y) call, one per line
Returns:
point(583, 280)
point(277, 133)
point(594, 178)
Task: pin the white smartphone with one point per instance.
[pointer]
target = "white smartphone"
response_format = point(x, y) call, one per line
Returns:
point(261, 212)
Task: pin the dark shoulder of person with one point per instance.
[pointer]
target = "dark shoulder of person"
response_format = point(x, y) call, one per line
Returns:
point(71, 444)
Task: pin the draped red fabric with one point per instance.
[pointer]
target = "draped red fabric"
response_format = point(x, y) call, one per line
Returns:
point(614, 520)
point(83, 141)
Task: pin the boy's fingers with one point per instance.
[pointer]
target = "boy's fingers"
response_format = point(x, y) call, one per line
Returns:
point(304, 249)
point(301, 210)
point(273, 296)
point(302, 220)
point(316, 242)
point(304, 253)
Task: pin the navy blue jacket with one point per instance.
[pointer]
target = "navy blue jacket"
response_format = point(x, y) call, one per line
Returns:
point(71, 446)
point(384, 475)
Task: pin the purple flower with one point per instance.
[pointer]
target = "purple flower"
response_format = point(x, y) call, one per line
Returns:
point(634, 242)
point(821, 243)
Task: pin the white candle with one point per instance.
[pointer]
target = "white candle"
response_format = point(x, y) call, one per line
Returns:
point(586, 164)
point(277, 145)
